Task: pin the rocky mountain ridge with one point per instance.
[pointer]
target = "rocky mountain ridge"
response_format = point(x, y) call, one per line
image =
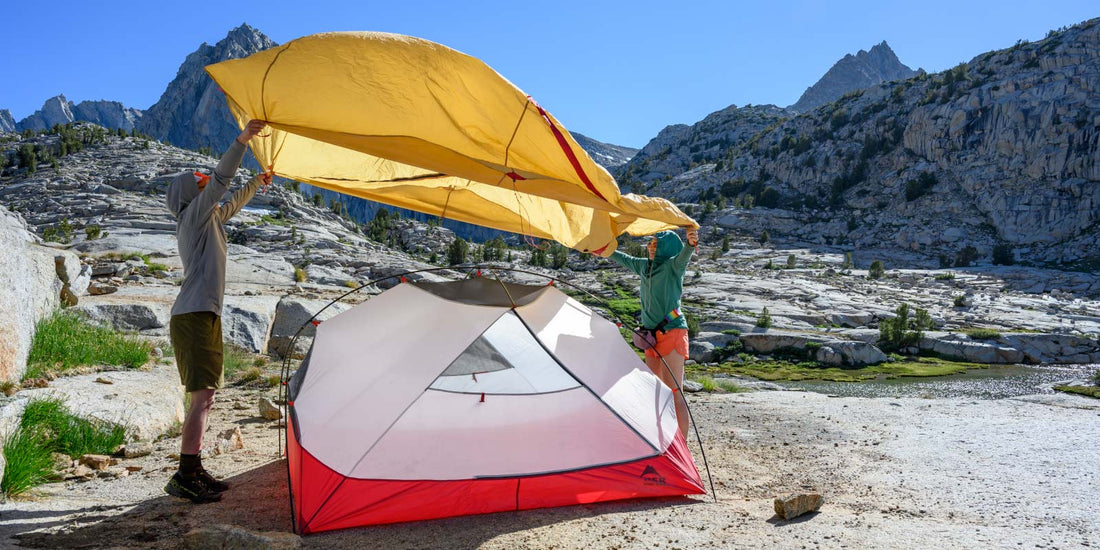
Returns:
point(854, 72)
point(59, 110)
point(1000, 151)
point(192, 112)
point(605, 154)
point(7, 124)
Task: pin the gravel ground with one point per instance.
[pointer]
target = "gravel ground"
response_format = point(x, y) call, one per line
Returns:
point(895, 473)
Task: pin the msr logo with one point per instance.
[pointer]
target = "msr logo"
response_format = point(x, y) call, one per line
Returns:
point(651, 477)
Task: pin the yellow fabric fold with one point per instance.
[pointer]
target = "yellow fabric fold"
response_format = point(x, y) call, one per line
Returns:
point(413, 124)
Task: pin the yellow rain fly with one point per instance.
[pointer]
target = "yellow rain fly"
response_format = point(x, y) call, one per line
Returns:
point(413, 124)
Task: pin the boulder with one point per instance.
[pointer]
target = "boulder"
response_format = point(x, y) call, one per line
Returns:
point(122, 316)
point(148, 403)
point(767, 342)
point(843, 352)
point(290, 315)
point(31, 291)
point(961, 347)
point(247, 321)
point(1054, 348)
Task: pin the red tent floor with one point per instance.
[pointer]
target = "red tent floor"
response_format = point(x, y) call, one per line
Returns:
point(324, 500)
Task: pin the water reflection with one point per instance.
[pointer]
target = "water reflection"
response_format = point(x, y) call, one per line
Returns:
point(995, 382)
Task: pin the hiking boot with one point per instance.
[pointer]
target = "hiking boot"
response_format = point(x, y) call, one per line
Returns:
point(191, 488)
point(213, 484)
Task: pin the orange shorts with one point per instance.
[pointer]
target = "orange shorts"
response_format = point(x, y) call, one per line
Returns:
point(675, 339)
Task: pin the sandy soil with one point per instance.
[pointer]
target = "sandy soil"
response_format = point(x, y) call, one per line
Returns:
point(895, 473)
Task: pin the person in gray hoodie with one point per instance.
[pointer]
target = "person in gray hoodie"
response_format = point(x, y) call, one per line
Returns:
point(195, 328)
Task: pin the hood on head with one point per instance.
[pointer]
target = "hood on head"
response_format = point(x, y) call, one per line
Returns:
point(668, 245)
point(181, 192)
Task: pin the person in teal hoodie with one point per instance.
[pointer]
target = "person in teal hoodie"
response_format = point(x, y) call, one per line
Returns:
point(662, 276)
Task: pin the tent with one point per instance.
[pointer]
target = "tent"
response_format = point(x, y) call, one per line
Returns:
point(441, 399)
point(410, 123)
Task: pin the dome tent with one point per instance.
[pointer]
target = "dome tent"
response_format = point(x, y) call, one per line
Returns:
point(443, 399)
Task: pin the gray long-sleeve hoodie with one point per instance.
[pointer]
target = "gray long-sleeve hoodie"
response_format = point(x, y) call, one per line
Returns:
point(200, 231)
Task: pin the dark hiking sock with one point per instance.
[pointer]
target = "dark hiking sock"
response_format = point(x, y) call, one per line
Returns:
point(190, 465)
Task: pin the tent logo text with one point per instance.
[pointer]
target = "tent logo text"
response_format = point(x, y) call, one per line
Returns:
point(651, 477)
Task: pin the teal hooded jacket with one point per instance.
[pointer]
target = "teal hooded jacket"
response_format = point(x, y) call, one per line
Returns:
point(662, 279)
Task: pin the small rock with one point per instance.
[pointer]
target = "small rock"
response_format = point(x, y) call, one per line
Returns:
point(137, 448)
point(158, 353)
point(794, 505)
point(134, 468)
point(96, 462)
point(229, 536)
point(61, 461)
point(239, 406)
point(692, 386)
point(229, 441)
point(36, 383)
point(268, 409)
point(102, 380)
point(99, 289)
point(174, 456)
point(81, 472)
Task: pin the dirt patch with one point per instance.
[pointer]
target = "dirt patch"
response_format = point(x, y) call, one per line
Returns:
point(946, 473)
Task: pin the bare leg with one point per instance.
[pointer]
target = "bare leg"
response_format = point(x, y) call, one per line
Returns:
point(194, 424)
point(675, 363)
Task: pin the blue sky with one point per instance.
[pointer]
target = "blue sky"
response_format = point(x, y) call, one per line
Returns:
point(615, 71)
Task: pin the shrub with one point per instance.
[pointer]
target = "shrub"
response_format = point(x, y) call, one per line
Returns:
point(558, 256)
point(848, 262)
point(456, 252)
point(1003, 254)
point(66, 340)
point(764, 237)
point(693, 324)
point(538, 257)
point(966, 256)
point(960, 300)
point(949, 276)
point(877, 270)
point(792, 262)
point(92, 232)
point(764, 320)
point(903, 331)
point(919, 187)
point(982, 334)
point(726, 243)
point(300, 275)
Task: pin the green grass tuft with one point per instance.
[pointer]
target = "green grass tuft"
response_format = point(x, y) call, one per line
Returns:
point(982, 334)
point(65, 340)
point(49, 427)
point(1087, 391)
point(29, 463)
point(719, 385)
point(235, 360)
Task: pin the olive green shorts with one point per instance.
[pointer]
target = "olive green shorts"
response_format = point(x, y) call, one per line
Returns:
point(197, 340)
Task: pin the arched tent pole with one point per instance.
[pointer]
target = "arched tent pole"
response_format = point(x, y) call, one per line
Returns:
point(470, 269)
